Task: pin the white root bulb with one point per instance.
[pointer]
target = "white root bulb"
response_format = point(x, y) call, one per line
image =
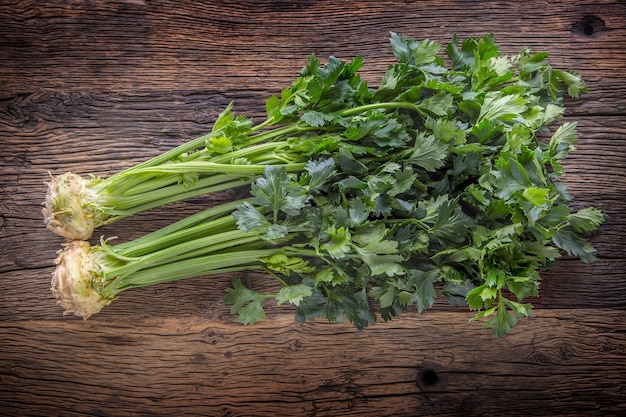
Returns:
point(73, 280)
point(68, 209)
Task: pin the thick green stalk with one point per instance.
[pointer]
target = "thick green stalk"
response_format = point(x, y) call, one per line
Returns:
point(125, 178)
point(125, 206)
point(210, 230)
point(385, 105)
point(204, 265)
point(270, 135)
point(168, 155)
point(154, 240)
point(209, 242)
point(74, 206)
point(216, 168)
point(181, 251)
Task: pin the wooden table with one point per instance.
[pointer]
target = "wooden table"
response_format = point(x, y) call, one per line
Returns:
point(91, 87)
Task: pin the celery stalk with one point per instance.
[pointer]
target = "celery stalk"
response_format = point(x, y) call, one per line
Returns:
point(74, 206)
point(88, 278)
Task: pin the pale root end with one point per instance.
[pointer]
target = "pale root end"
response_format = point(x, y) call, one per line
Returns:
point(72, 280)
point(68, 209)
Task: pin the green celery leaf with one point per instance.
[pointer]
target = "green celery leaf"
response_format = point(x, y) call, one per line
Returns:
point(379, 264)
point(502, 322)
point(286, 264)
point(435, 83)
point(425, 51)
point(463, 58)
point(351, 182)
point(339, 243)
point(403, 181)
point(357, 212)
point(224, 118)
point(586, 220)
point(311, 307)
point(574, 245)
point(356, 307)
point(249, 218)
point(428, 210)
point(275, 232)
point(494, 277)
point(445, 130)
point(561, 143)
point(253, 312)
point(440, 105)
point(487, 131)
point(487, 294)
point(316, 118)
point(486, 47)
point(402, 47)
point(474, 298)
point(331, 72)
point(330, 276)
point(523, 287)
point(188, 179)
point(575, 84)
point(276, 191)
point(537, 196)
point(522, 310)
point(312, 66)
point(246, 304)
point(500, 106)
point(272, 108)
point(451, 224)
point(543, 251)
point(511, 177)
point(315, 145)
point(424, 284)
point(551, 113)
point(320, 171)
point(456, 293)
point(235, 128)
point(427, 153)
point(530, 64)
point(219, 145)
point(379, 254)
point(378, 128)
point(385, 295)
point(294, 294)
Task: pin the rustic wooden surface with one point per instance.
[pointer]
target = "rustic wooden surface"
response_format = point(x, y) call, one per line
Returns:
point(95, 86)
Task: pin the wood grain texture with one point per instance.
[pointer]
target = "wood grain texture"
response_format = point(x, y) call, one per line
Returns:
point(94, 87)
point(202, 45)
point(413, 367)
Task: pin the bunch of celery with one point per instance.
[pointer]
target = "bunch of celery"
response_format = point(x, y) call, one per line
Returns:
point(362, 201)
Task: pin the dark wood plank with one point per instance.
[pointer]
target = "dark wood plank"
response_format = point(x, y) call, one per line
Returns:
point(411, 367)
point(164, 44)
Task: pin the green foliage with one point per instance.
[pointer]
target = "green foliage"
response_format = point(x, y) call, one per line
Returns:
point(445, 180)
point(246, 304)
point(439, 181)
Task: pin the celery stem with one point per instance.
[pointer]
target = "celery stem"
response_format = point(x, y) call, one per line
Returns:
point(175, 193)
point(146, 243)
point(203, 265)
point(384, 105)
point(205, 245)
point(274, 133)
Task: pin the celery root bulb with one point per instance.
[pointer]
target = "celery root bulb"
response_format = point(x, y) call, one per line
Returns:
point(73, 280)
point(68, 210)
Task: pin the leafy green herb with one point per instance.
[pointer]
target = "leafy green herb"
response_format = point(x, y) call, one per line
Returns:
point(368, 202)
